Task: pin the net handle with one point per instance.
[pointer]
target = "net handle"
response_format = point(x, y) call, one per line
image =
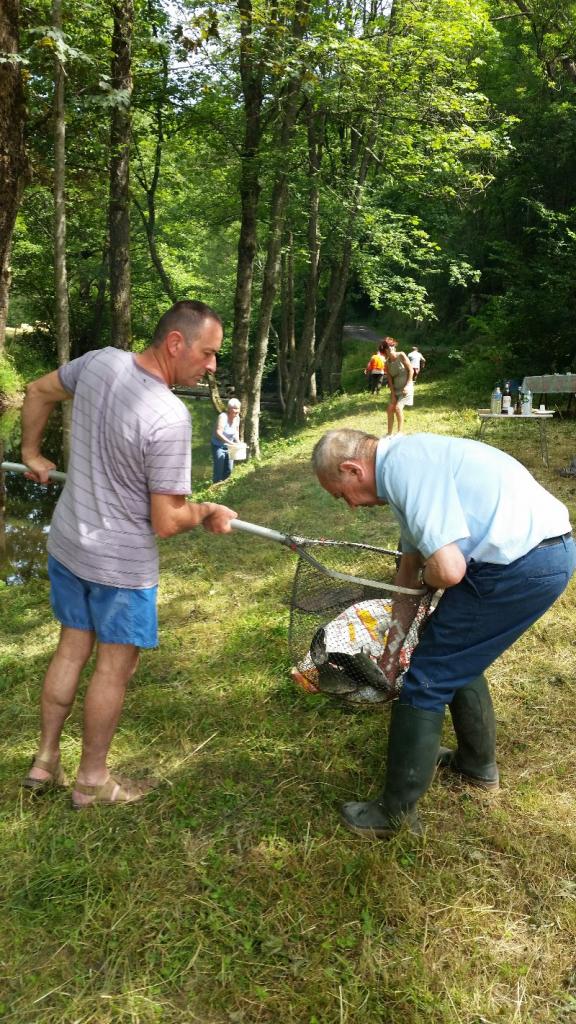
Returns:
point(19, 467)
point(262, 531)
point(291, 542)
point(266, 534)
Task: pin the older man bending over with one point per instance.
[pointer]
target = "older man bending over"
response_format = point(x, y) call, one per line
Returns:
point(475, 523)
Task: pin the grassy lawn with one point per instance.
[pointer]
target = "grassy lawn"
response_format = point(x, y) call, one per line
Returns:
point(232, 896)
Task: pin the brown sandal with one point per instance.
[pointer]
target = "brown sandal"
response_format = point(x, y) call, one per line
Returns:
point(56, 780)
point(116, 790)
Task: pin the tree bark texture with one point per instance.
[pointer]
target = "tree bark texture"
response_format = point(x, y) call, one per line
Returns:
point(150, 187)
point(287, 336)
point(60, 269)
point(311, 357)
point(340, 278)
point(299, 388)
point(357, 155)
point(119, 209)
point(269, 286)
point(330, 366)
point(251, 74)
point(289, 112)
point(90, 336)
point(5, 282)
point(13, 161)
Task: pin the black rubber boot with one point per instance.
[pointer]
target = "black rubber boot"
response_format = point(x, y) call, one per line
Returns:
point(475, 726)
point(413, 744)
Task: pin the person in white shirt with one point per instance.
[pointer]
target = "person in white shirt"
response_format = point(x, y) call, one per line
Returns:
point(226, 431)
point(416, 360)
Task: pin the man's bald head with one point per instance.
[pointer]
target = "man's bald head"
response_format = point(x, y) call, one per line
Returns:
point(338, 446)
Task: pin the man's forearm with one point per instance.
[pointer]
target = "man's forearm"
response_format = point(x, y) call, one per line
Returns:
point(42, 396)
point(33, 426)
point(404, 608)
point(171, 514)
point(190, 515)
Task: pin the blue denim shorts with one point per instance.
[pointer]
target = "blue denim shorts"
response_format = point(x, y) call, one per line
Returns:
point(116, 615)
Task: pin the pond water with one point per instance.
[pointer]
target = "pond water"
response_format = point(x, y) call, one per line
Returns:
point(26, 508)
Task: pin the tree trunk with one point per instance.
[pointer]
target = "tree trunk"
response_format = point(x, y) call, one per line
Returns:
point(286, 339)
point(277, 210)
point(149, 227)
point(312, 353)
point(150, 188)
point(269, 285)
point(251, 74)
point(119, 209)
point(13, 161)
point(336, 294)
point(330, 368)
point(60, 269)
point(90, 337)
point(297, 389)
point(289, 106)
point(357, 165)
point(5, 282)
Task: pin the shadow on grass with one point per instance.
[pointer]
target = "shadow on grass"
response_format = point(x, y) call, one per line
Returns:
point(231, 894)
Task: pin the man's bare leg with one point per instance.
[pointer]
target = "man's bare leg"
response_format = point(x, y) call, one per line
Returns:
point(58, 692)
point(115, 666)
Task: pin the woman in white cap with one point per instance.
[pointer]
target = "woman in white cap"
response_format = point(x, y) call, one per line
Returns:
point(226, 431)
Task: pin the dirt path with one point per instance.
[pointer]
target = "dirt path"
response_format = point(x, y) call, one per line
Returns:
point(357, 331)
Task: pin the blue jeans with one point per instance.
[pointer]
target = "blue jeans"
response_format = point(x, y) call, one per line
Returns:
point(222, 463)
point(481, 617)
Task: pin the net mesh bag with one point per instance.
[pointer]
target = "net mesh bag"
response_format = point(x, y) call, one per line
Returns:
point(339, 629)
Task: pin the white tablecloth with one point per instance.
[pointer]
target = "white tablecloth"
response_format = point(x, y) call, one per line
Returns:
point(551, 384)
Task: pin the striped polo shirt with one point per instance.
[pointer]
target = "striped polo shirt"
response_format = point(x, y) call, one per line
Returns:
point(130, 437)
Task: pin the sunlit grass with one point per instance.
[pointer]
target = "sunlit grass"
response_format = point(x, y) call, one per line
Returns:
point(232, 896)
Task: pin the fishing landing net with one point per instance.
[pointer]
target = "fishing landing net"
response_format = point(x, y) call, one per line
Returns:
point(339, 629)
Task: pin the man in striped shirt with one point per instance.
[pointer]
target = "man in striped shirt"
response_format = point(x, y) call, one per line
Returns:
point(127, 483)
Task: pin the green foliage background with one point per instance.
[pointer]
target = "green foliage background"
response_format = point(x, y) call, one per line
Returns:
point(466, 228)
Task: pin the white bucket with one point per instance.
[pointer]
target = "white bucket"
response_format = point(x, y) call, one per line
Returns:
point(238, 451)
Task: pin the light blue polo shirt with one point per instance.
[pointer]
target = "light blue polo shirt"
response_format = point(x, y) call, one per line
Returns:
point(445, 490)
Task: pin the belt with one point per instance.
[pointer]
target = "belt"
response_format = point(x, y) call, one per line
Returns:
point(553, 540)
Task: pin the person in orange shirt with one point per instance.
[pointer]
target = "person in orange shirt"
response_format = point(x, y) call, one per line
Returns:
point(376, 369)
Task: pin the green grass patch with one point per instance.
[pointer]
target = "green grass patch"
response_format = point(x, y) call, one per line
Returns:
point(11, 382)
point(232, 896)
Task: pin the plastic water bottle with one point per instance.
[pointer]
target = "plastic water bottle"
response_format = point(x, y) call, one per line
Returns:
point(496, 401)
point(527, 403)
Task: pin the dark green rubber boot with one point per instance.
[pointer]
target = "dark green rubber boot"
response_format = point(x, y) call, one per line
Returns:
point(413, 744)
point(475, 726)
